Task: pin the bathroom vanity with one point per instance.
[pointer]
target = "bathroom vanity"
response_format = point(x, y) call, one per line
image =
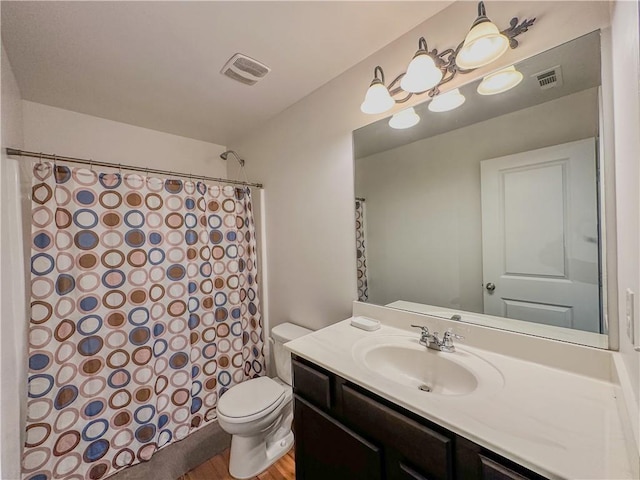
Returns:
point(372, 405)
point(347, 432)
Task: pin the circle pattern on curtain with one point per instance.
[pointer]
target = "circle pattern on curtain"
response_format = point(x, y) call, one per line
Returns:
point(144, 311)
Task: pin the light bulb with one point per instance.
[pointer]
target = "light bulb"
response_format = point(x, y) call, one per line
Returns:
point(377, 99)
point(404, 119)
point(422, 74)
point(500, 81)
point(447, 101)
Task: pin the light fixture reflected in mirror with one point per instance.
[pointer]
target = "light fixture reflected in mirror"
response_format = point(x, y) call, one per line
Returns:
point(483, 44)
point(404, 119)
point(500, 81)
point(377, 99)
point(447, 101)
point(422, 73)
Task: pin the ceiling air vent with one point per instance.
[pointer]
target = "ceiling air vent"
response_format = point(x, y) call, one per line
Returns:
point(550, 78)
point(244, 69)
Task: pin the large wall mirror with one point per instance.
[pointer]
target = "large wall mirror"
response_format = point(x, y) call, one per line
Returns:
point(491, 211)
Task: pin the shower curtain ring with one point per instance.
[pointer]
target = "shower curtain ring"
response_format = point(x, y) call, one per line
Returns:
point(120, 169)
point(40, 160)
point(91, 164)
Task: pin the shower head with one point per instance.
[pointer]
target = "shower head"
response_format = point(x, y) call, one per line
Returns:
point(224, 156)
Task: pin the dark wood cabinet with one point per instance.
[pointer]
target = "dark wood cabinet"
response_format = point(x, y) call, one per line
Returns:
point(474, 462)
point(346, 432)
point(330, 450)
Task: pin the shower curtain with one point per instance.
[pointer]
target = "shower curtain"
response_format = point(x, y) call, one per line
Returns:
point(361, 254)
point(144, 311)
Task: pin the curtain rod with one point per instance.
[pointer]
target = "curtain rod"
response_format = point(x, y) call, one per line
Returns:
point(83, 161)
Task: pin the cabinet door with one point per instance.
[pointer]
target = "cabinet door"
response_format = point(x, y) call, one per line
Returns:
point(326, 449)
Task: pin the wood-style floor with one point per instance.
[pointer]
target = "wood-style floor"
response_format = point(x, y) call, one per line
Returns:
point(217, 468)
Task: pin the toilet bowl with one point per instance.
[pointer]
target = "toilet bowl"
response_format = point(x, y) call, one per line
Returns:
point(258, 413)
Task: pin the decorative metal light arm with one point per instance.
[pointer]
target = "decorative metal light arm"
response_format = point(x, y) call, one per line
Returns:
point(446, 60)
point(514, 30)
point(376, 71)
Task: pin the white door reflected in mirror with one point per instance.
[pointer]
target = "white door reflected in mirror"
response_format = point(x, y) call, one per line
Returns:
point(539, 236)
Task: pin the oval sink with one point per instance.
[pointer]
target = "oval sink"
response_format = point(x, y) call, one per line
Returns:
point(404, 361)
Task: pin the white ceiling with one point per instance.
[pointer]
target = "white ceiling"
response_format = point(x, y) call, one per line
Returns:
point(156, 64)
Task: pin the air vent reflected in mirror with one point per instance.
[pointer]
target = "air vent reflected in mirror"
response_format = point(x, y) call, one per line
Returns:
point(549, 78)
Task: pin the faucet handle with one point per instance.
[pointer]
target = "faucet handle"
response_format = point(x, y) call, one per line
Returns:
point(424, 334)
point(424, 328)
point(449, 336)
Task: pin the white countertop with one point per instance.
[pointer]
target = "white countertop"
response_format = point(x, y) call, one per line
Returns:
point(559, 424)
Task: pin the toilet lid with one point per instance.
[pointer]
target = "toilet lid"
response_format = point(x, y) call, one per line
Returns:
point(251, 397)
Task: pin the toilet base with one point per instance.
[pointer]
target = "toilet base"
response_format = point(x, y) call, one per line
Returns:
point(251, 456)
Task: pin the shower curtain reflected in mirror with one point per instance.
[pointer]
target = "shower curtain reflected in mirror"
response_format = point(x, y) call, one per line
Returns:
point(361, 254)
point(144, 311)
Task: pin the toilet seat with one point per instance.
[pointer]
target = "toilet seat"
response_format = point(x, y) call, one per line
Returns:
point(251, 400)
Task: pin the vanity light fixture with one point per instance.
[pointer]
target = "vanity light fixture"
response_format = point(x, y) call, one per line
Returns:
point(377, 99)
point(483, 44)
point(405, 119)
point(447, 101)
point(423, 72)
point(500, 81)
point(429, 70)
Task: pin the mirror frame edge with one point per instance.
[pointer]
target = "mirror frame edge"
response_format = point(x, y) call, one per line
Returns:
point(609, 226)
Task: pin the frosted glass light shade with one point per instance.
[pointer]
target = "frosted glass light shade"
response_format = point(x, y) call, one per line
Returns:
point(500, 81)
point(447, 101)
point(422, 74)
point(404, 119)
point(483, 44)
point(377, 99)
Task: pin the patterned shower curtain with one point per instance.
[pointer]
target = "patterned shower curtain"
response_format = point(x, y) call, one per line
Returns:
point(361, 254)
point(144, 311)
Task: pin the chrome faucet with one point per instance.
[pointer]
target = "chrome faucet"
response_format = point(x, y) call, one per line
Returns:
point(434, 342)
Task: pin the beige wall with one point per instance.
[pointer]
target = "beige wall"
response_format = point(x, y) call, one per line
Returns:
point(72, 134)
point(305, 157)
point(626, 104)
point(13, 322)
point(423, 201)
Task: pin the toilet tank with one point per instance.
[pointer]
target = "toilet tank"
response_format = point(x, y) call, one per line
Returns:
point(281, 334)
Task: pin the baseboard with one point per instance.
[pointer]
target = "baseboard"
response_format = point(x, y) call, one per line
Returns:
point(177, 459)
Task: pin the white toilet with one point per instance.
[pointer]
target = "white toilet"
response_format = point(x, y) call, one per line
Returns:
point(258, 412)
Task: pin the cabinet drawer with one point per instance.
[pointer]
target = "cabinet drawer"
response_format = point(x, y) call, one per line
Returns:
point(476, 463)
point(312, 384)
point(494, 471)
point(428, 450)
